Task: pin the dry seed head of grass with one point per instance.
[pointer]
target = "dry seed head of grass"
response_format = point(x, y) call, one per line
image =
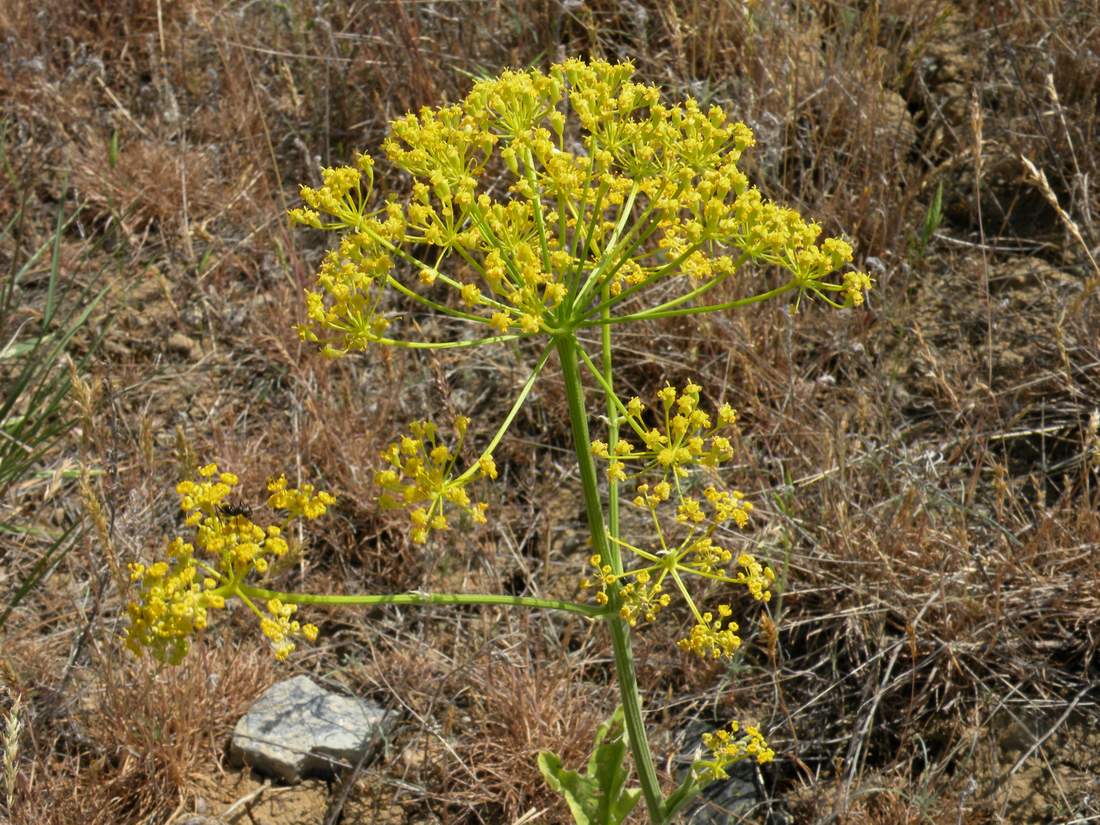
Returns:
point(13, 730)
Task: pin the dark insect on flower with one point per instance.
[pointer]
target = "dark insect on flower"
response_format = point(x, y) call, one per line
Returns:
point(231, 510)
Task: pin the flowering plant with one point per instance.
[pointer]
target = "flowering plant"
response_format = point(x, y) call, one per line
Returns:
point(555, 206)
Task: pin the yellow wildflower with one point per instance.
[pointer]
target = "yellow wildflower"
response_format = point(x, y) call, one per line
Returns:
point(174, 595)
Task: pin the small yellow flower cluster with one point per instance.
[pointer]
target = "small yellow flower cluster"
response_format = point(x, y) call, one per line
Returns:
point(605, 577)
point(340, 196)
point(226, 537)
point(345, 307)
point(280, 628)
point(175, 595)
point(640, 590)
point(724, 506)
point(756, 578)
point(640, 596)
point(606, 188)
point(303, 502)
point(420, 477)
point(713, 637)
point(855, 284)
point(728, 747)
point(685, 437)
point(171, 606)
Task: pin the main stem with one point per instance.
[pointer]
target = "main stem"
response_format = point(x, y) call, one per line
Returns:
point(620, 631)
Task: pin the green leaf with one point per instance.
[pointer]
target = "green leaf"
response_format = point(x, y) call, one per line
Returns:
point(932, 220)
point(34, 415)
point(608, 765)
point(577, 790)
point(112, 150)
point(45, 565)
point(600, 796)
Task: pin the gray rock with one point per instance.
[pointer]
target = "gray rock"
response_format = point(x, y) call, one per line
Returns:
point(298, 729)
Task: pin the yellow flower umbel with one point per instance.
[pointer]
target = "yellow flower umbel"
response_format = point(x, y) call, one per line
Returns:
point(728, 747)
point(684, 439)
point(419, 476)
point(175, 595)
point(641, 588)
point(613, 203)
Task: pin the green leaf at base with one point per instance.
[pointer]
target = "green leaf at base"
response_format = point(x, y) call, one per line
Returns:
point(599, 797)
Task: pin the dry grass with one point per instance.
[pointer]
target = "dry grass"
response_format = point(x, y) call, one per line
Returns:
point(925, 471)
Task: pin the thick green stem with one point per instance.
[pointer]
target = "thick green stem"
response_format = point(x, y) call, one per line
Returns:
point(612, 420)
point(424, 599)
point(609, 552)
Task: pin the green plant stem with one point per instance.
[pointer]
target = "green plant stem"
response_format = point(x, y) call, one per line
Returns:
point(422, 267)
point(586, 610)
point(473, 342)
point(658, 312)
point(613, 413)
point(609, 552)
point(508, 419)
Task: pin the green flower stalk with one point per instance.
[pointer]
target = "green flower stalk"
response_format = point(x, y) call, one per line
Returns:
point(558, 206)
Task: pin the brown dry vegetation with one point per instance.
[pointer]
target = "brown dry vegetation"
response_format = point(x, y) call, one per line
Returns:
point(924, 471)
